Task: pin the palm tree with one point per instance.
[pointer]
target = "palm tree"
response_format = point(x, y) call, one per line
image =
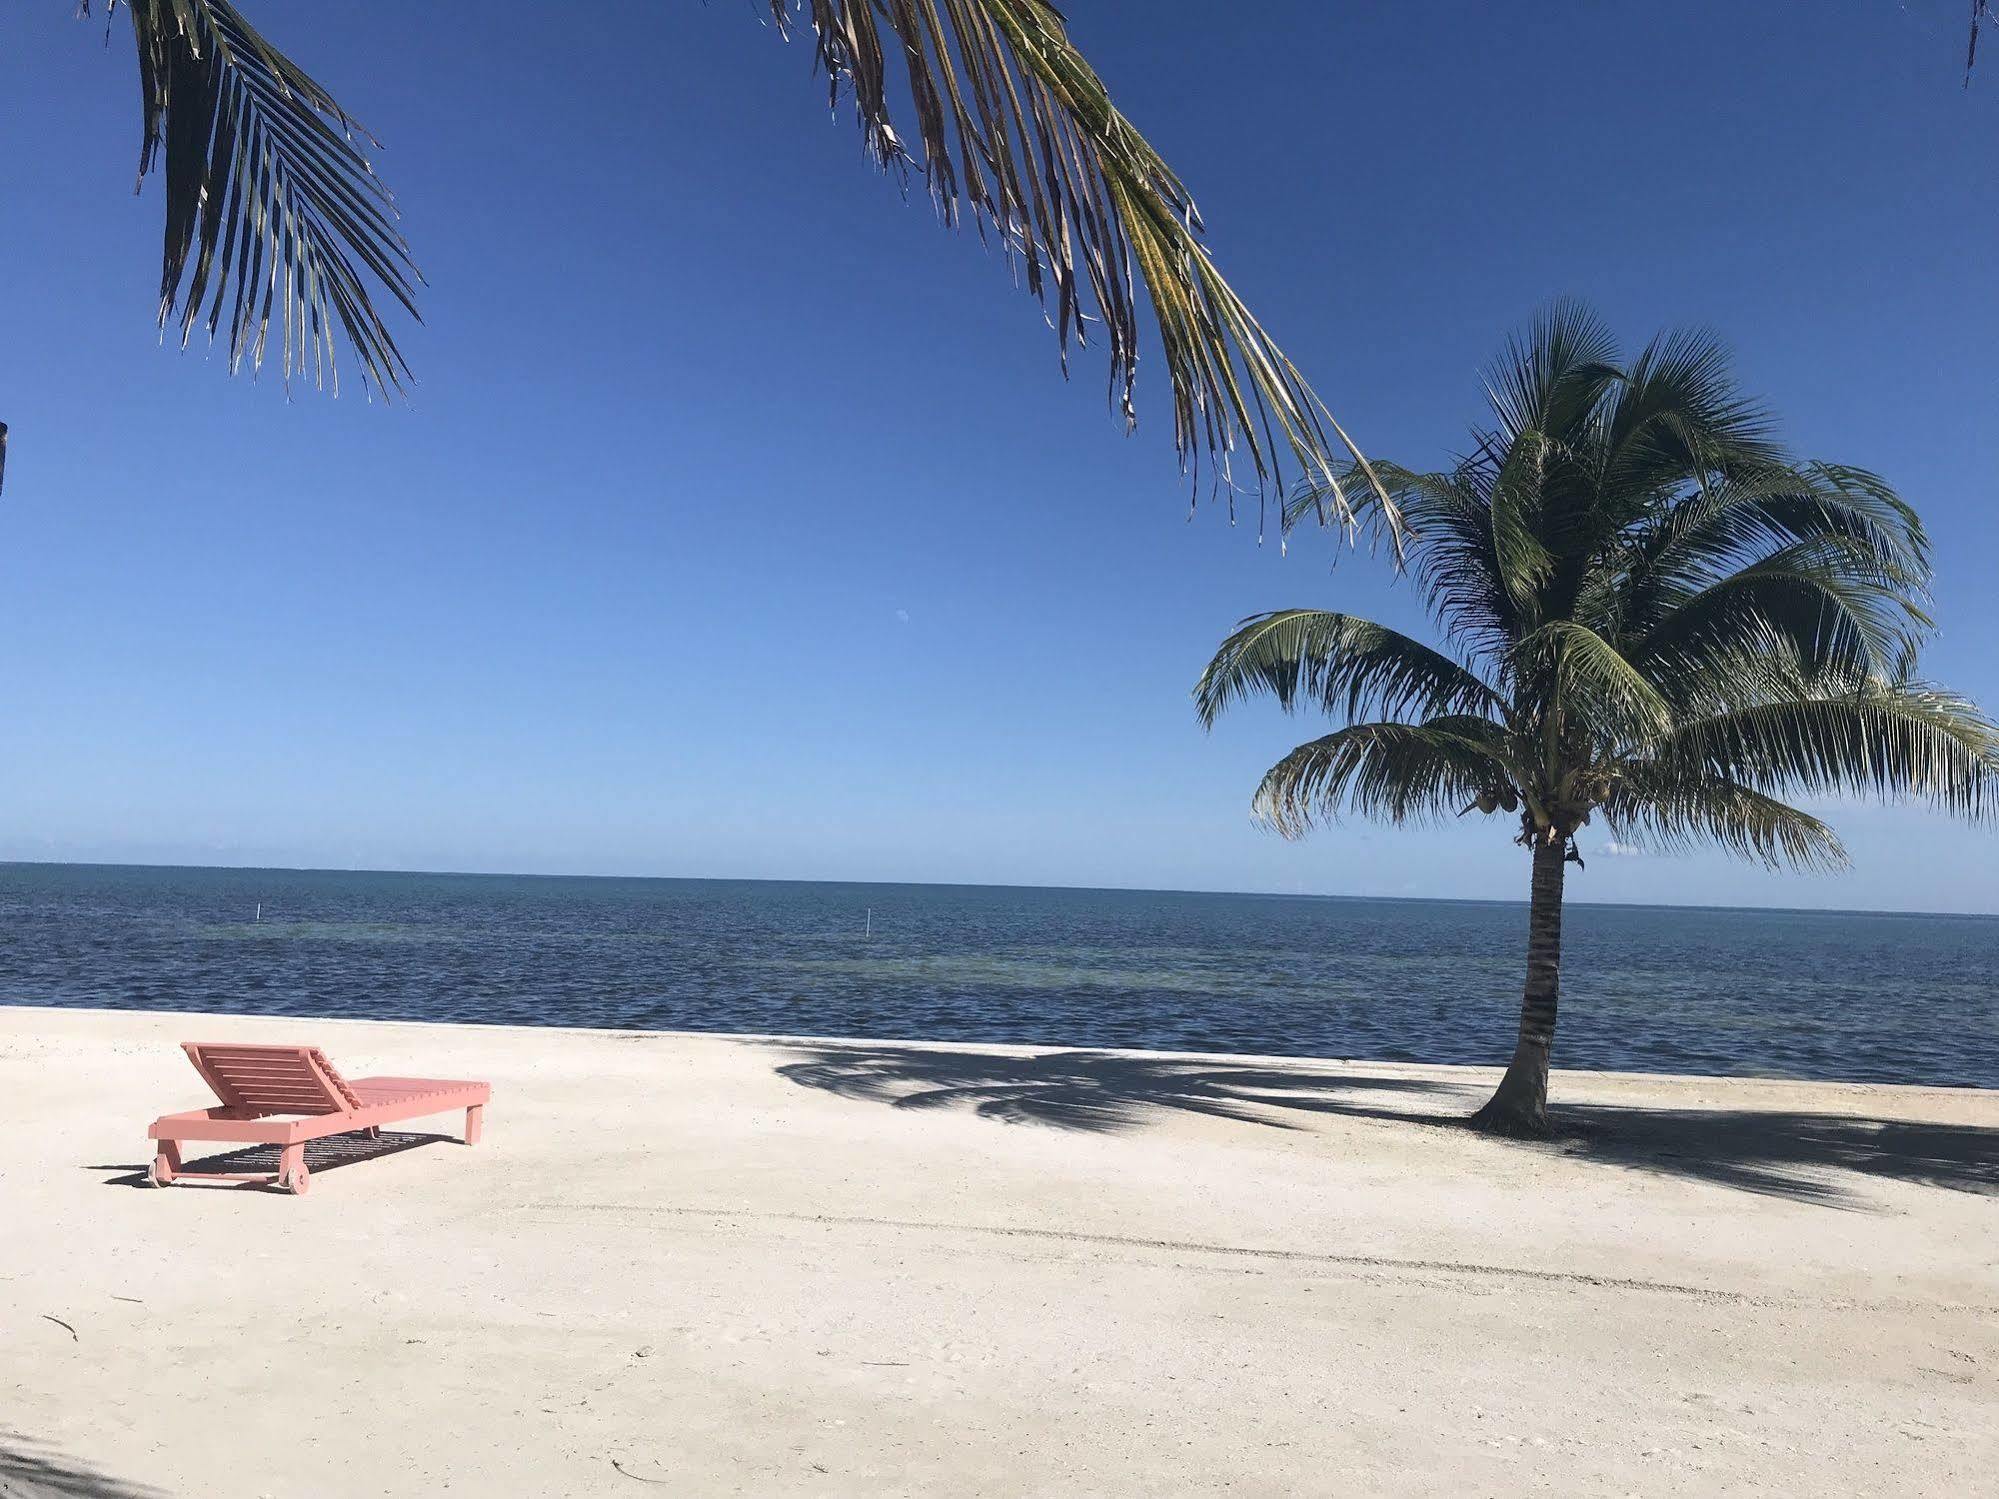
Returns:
point(275, 219)
point(1650, 614)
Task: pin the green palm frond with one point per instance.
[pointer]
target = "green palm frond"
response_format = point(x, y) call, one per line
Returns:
point(1790, 504)
point(1836, 601)
point(274, 218)
point(1339, 663)
point(1761, 666)
point(1678, 414)
point(1901, 741)
point(1747, 516)
point(1516, 519)
point(1674, 813)
point(1554, 375)
point(1013, 126)
point(1446, 521)
point(1594, 681)
point(1395, 771)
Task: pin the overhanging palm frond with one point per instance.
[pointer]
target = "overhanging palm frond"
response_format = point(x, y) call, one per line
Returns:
point(1907, 741)
point(1013, 126)
point(1398, 771)
point(273, 215)
point(1674, 813)
point(1344, 665)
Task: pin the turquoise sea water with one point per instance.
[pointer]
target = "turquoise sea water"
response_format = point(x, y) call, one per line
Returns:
point(1774, 993)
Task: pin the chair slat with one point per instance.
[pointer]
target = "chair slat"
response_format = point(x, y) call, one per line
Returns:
point(272, 1079)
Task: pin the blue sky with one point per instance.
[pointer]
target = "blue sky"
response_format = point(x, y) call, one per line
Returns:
point(742, 525)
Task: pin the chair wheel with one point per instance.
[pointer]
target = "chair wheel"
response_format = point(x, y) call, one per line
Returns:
point(301, 1179)
point(159, 1174)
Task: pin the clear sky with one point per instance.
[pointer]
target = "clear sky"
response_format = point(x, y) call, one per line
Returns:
point(742, 525)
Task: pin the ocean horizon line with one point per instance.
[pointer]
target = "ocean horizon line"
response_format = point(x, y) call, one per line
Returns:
point(789, 880)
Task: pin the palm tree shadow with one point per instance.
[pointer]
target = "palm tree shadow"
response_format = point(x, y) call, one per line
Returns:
point(1098, 1091)
point(33, 1471)
point(327, 1154)
point(1806, 1157)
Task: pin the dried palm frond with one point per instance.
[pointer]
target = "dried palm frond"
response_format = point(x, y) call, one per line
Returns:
point(1013, 126)
point(273, 215)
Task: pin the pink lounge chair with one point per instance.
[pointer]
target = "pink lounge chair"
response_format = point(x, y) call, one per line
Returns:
point(257, 1084)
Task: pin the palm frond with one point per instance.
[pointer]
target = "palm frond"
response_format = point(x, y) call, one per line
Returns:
point(1763, 665)
point(1594, 683)
point(1341, 664)
point(1516, 518)
point(1674, 813)
point(273, 214)
point(1840, 604)
point(1747, 516)
point(1556, 374)
point(1014, 127)
point(1398, 771)
point(1678, 415)
point(1905, 741)
point(1447, 520)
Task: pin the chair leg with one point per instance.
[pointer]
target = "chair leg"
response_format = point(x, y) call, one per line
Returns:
point(475, 1123)
point(166, 1161)
point(290, 1160)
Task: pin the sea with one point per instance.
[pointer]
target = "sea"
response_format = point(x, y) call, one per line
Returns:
point(1771, 993)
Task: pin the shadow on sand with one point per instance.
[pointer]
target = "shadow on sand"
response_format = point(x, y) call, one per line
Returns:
point(32, 1471)
point(1808, 1157)
point(329, 1154)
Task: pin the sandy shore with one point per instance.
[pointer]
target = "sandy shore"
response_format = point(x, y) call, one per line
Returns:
point(714, 1265)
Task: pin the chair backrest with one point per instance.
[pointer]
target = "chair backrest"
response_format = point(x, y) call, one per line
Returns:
point(272, 1079)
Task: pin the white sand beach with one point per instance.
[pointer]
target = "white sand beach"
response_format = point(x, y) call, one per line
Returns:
point(711, 1265)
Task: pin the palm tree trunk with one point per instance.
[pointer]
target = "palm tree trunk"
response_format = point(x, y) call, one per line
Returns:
point(1520, 1106)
